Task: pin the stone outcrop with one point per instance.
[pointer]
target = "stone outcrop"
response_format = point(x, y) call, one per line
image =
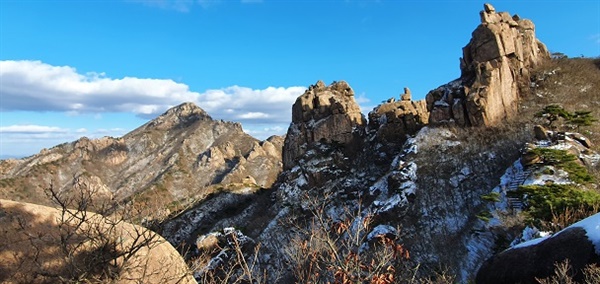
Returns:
point(327, 114)
point(526, 263)
point(394, 119)
point(495, 63)
point(53, 255)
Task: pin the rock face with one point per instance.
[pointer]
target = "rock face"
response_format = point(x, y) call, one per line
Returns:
point(323, 114)
point(526, 263)
point(393, 120)
point(495, 63)
point(50, 251)
point(179, 156)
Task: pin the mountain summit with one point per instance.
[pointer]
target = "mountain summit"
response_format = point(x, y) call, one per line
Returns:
point(173, 159)
point(496, 64)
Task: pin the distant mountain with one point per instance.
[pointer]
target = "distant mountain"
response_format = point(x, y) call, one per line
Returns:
point(170, 161)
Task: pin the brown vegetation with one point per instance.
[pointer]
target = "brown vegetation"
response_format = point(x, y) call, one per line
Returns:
point(70, 244)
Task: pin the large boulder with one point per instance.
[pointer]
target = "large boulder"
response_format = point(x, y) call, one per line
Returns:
point(579, 244)
point(495, 63)
point(43, 244)
point(327, 114)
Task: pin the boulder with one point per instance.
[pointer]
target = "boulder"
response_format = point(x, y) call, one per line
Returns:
point(407, 95)
point(37, 247)
point(540, 133)
point(327, 114)
point(582, 140)
point(495, 63)
point(537, 258)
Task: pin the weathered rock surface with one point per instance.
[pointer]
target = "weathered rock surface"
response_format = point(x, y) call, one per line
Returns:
point(540, 133)
point(175, 158)
point(525, 264)
point(495, 64)
point(393, 120)
point(31, 248)
point(327, 114)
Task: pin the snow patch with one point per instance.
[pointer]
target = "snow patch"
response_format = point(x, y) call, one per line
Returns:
point(381, 230)
point(530, 236)
point(592, 227)
point(391, 203)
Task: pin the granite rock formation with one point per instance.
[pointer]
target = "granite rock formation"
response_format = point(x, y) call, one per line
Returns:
point(327, 114)
point(495, 64)
point(56, 253)
point(395, 119)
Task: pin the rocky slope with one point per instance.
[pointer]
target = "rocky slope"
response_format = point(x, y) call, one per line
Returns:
point(414, 178)
point(178, 157)
point(418, 184)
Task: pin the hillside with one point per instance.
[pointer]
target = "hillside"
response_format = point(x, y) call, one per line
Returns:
point(165, 164)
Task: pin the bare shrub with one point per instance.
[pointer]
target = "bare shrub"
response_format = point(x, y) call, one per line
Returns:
point(564, 274)
point(75, 245)
point(568, 216)
point(229, 264)
point(340, 251)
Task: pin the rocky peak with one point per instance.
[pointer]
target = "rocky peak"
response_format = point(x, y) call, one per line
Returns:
point(322, 114)
point(394, 119)
point(182, 115)
point(495, 63)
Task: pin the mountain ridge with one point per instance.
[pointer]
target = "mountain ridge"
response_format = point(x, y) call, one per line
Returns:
point(416, 176)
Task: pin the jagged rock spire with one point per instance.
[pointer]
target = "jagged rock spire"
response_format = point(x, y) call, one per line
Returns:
point(322, 113)
point(495, 63)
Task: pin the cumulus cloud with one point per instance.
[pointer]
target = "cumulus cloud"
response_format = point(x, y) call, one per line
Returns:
point(37, 86)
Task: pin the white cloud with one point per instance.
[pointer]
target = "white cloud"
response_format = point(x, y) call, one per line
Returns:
point(254, 115)
point(25, 140)
point(29, 128)
point(37, 86)
point(264, 131)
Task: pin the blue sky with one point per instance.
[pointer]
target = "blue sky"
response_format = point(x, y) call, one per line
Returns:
point(93, 68)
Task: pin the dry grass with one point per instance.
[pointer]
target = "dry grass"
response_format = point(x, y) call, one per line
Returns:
point(564, 274)
point(573, 84)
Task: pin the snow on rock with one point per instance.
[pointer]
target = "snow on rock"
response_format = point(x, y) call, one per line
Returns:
point(393, 202)
point(380, 230)
point(529, 236)
point(558, 176)
point(592, 227)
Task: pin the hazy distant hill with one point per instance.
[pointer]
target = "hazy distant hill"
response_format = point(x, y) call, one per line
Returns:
point(171, 160)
